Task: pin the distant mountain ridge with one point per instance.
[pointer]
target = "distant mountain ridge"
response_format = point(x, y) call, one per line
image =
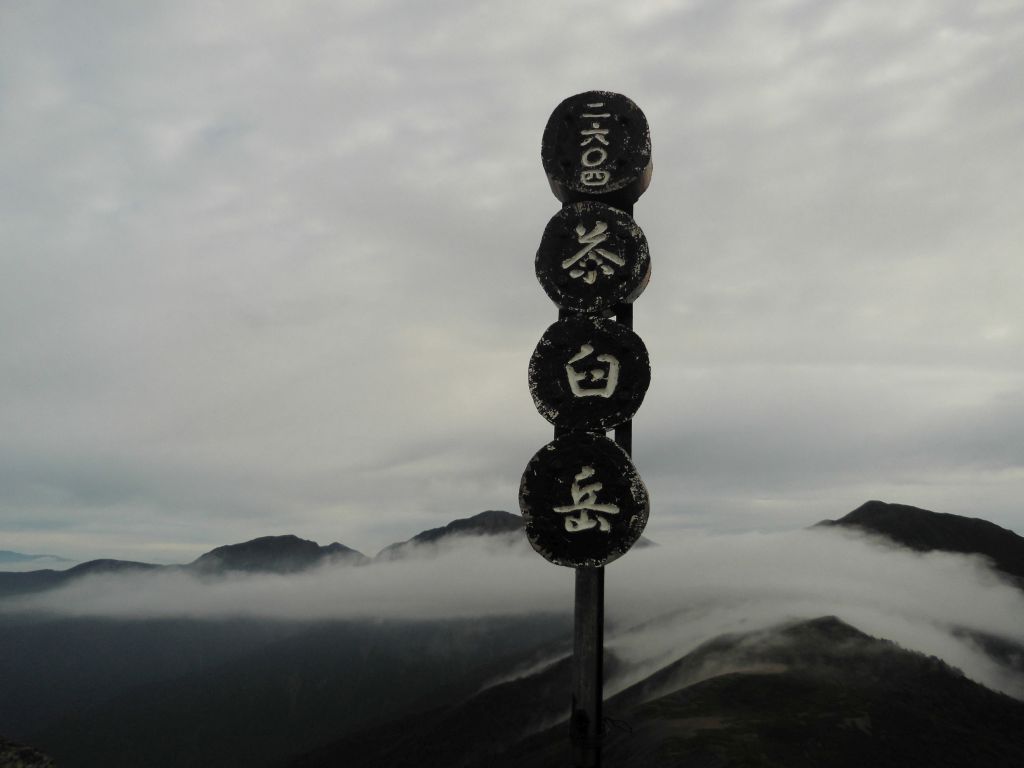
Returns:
point(489, 523)
point(25, 582)
point(275, 554)
point(285, 554)
point(924, 531)
point(7, 557)
point(908, 526)
point(266, 554)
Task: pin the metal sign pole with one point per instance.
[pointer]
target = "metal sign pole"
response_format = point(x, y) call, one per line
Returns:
point(586, 721)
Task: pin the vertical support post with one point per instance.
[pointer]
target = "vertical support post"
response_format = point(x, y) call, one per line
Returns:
point(586, 722)
point(624, 432)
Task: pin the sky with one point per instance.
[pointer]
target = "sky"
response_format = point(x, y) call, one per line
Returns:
point(267, 267)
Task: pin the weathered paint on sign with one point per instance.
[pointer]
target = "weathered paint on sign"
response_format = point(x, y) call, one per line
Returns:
point(589, 374)
point(592, 257)
point(583, 501)
point(597, 145)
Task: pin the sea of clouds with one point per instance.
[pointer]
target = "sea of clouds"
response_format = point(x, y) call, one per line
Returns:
point(661, 601)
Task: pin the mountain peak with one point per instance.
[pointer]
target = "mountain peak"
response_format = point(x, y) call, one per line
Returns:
point(489, 523)
point(108, 565)
point(924, 531)
point(486, 523)
point(273, 554)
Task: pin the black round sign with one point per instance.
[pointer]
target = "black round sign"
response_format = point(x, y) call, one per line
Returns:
point(597, 145)
point(583, 502)
point(589, 374)
point(592, 257)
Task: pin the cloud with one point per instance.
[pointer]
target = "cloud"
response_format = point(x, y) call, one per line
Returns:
point(713, 584)
point(269, 269)
point(661, 601)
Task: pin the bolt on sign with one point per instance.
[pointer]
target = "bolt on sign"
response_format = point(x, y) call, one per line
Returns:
point(581, 497)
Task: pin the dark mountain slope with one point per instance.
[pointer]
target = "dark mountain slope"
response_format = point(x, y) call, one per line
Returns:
point(267, 554)
point(287, 697)
point(39, 581)
point(52, 667)
point(924, 531)
point(826, 695)
point(489, 721)
point(802, 695)
point(490, 523)
point(274, 554)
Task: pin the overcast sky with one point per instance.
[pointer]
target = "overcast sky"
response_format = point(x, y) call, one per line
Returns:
point(267, 267)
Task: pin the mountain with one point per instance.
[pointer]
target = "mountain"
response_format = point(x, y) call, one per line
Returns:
point(275, 554)
point(267, 554)
point(798, 695)
point(490, 523)
point(27, 582)
point(20, 560)
point(285, 696)
point(487, 722)
point(925, 531)
point(504, 527)
point(826, 694)
point(55, 667)
point(476, 692)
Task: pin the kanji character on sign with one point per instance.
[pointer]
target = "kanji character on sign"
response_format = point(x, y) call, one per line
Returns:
point(594, 155)
point(584, 504)
point(597, 381)
point(591, 255)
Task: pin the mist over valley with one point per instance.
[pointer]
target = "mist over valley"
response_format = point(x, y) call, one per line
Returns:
point(280, 650)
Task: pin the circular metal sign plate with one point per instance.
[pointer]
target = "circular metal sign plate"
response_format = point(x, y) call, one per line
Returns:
point(589, 374)
point(583, 501)
point(591, 258)
point(597, 145)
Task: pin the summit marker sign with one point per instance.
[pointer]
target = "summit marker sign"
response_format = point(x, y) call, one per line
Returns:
point(589, 372)
point(582, 499)
point(597, 145)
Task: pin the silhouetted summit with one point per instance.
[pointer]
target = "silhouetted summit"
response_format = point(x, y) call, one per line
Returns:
point(107, 565)
point(484, 524)
point(490, 523)
point(42, 580)
point(274, 554)
point(924, 531)
point(9, 557)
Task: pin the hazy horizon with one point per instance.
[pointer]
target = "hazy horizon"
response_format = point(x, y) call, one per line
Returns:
point(660, 602)
point(37, 561)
